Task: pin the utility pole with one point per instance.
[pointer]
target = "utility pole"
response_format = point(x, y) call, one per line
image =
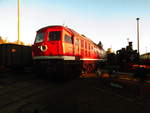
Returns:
point(18, 41)
point(138, 45)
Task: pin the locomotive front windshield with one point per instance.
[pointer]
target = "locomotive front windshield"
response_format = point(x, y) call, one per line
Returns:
point(39, 37)
point(54, 36)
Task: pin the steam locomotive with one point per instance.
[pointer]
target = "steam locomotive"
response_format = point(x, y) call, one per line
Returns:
point(124, 59)
point(61, 51)
point(129, 60)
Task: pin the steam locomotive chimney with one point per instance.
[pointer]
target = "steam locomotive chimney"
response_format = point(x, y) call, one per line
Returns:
point(130, 45)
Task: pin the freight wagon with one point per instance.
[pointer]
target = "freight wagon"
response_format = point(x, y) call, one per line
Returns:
point(15, 56)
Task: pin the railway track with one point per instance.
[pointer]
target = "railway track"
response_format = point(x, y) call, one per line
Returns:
point(22, 91)
point(26, 93)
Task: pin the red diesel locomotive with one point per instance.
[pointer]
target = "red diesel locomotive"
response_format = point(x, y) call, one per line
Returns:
point(61, 50)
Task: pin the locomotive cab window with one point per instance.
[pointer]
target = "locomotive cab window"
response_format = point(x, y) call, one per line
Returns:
point(54, 36)
point(39, 38)
point(68, 39)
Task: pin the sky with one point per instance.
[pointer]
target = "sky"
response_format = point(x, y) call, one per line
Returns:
point(110, 21)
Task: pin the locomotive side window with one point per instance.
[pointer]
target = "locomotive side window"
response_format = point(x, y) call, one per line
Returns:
point(91, 48)
point(39, 38)
point(77, 42)
point(85, 45)
point(82, 43)
point(54, 36)
point(68, 39)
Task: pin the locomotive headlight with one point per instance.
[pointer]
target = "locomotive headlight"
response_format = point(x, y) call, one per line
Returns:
point(43, 48)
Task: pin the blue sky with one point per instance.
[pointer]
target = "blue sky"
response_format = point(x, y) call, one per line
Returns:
point(109, 21)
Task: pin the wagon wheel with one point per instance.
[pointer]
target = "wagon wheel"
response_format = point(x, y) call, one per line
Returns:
point(90, 68)
point(87, 68)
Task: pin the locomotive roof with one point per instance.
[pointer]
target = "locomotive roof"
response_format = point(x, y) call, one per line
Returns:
point(55, 26)
point(69, 30)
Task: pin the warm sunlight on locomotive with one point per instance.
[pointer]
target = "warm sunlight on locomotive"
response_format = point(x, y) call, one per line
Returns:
point(63, 49)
